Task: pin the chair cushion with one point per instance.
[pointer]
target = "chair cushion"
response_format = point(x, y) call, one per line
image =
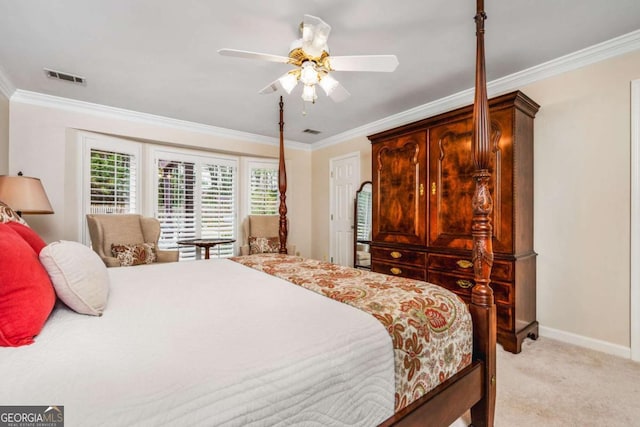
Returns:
point(264, 225)
point(120, 229)
point(264, 245)
point(79, 276)
point(135, 254)
point(26, 293)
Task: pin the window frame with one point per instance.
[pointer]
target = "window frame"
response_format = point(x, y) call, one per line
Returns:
point(199, 158)
point(249, 165)
point(106, 143)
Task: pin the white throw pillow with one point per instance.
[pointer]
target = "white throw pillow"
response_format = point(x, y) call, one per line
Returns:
point(79, 276)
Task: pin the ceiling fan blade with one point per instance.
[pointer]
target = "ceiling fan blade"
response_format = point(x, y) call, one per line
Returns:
point(380, 63)
point(339, 93)
point(270, 88)
point(315, 33)
point(253, 55)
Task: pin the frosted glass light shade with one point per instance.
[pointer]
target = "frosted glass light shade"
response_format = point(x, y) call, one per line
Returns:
point(309, 93)
point(288, 82)
point(328, 84)
point(308, 73)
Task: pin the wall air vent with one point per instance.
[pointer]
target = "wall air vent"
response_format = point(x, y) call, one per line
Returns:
point(311, 131)
point(59, 75)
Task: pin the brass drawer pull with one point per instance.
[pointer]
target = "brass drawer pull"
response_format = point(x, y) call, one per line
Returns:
point(396, 254)
point(464, 284)
point(396, 270)
point(463, 263)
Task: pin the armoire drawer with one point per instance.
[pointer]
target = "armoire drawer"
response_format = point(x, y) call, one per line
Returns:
point(504, 317)
point(462, 284)
point(399, 256)
point(502, 270)
point(418, 273)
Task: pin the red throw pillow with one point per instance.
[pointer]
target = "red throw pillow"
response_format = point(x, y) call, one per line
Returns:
point(26, 293)
point(29, 235)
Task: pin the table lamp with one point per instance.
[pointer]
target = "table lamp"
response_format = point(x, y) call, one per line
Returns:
point(24, 194)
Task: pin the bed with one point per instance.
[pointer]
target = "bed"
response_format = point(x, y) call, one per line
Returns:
point(273, 339)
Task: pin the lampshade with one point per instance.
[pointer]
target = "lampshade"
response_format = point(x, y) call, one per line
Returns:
point(24, 195)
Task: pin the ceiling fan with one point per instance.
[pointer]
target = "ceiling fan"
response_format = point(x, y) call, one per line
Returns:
point(310, 55)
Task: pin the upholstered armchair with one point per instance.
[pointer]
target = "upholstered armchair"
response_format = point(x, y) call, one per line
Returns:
point(125, 229)
point(261, 235)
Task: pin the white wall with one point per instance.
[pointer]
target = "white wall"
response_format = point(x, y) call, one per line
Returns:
point(582, 201)
point(43, 140)
point(4, 134)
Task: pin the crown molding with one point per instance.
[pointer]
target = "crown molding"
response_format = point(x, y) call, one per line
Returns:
point(51, 101)
point(6, 87)
point(611, 48)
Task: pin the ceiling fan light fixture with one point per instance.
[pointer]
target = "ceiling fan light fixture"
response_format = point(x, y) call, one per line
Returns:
point(328, 84)
point(288, 82)
point(309, 93)
point(308, 73)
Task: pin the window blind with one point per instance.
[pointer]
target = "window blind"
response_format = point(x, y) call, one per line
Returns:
point(196, 198)
point(218, 206)
point(113, 178)
point(176, 208)
point(364, 216)
point(263, 191)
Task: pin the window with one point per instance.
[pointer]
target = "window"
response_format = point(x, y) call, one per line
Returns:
point(113, 179)
point(110, 177)
point(196, 198)
point(263, 188)
point(176, 209)
point(194, 194)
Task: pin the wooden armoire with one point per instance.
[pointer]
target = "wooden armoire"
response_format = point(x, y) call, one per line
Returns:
point(422, 190)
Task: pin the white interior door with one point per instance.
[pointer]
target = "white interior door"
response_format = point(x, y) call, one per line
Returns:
point(344, 181)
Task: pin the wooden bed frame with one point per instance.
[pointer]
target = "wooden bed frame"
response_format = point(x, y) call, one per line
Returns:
point(474, 387)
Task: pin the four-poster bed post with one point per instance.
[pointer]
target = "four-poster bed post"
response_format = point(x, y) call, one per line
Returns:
point(282, 187)
point(474, 387)
point(482, 307)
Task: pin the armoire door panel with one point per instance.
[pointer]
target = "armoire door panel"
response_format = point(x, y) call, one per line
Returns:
point(452, 186)
point(399, 202)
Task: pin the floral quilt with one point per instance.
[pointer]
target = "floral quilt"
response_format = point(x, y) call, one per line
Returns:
point(429, 326)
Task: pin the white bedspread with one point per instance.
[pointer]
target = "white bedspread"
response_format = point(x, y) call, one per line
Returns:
point(206, 343)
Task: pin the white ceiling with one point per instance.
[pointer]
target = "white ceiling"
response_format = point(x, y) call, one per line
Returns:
point(159, 56)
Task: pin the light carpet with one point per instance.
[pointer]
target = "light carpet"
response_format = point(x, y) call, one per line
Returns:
point(551, 383)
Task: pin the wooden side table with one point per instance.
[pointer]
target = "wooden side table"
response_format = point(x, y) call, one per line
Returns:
point(205, 243)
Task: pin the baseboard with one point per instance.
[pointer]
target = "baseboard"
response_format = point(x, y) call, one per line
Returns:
point(586, 342)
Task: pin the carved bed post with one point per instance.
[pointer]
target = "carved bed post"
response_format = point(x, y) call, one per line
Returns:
point(482, 307)
point(282, 187)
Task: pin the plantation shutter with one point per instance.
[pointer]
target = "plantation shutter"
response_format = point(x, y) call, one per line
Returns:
point(196, 199)
point(176, 208)
point(113, 182)
point(263, 191)
point(364, 216)
point(218, 203)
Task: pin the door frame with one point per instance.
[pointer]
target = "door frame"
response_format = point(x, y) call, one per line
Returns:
point(332, 160)
point(635, 221)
